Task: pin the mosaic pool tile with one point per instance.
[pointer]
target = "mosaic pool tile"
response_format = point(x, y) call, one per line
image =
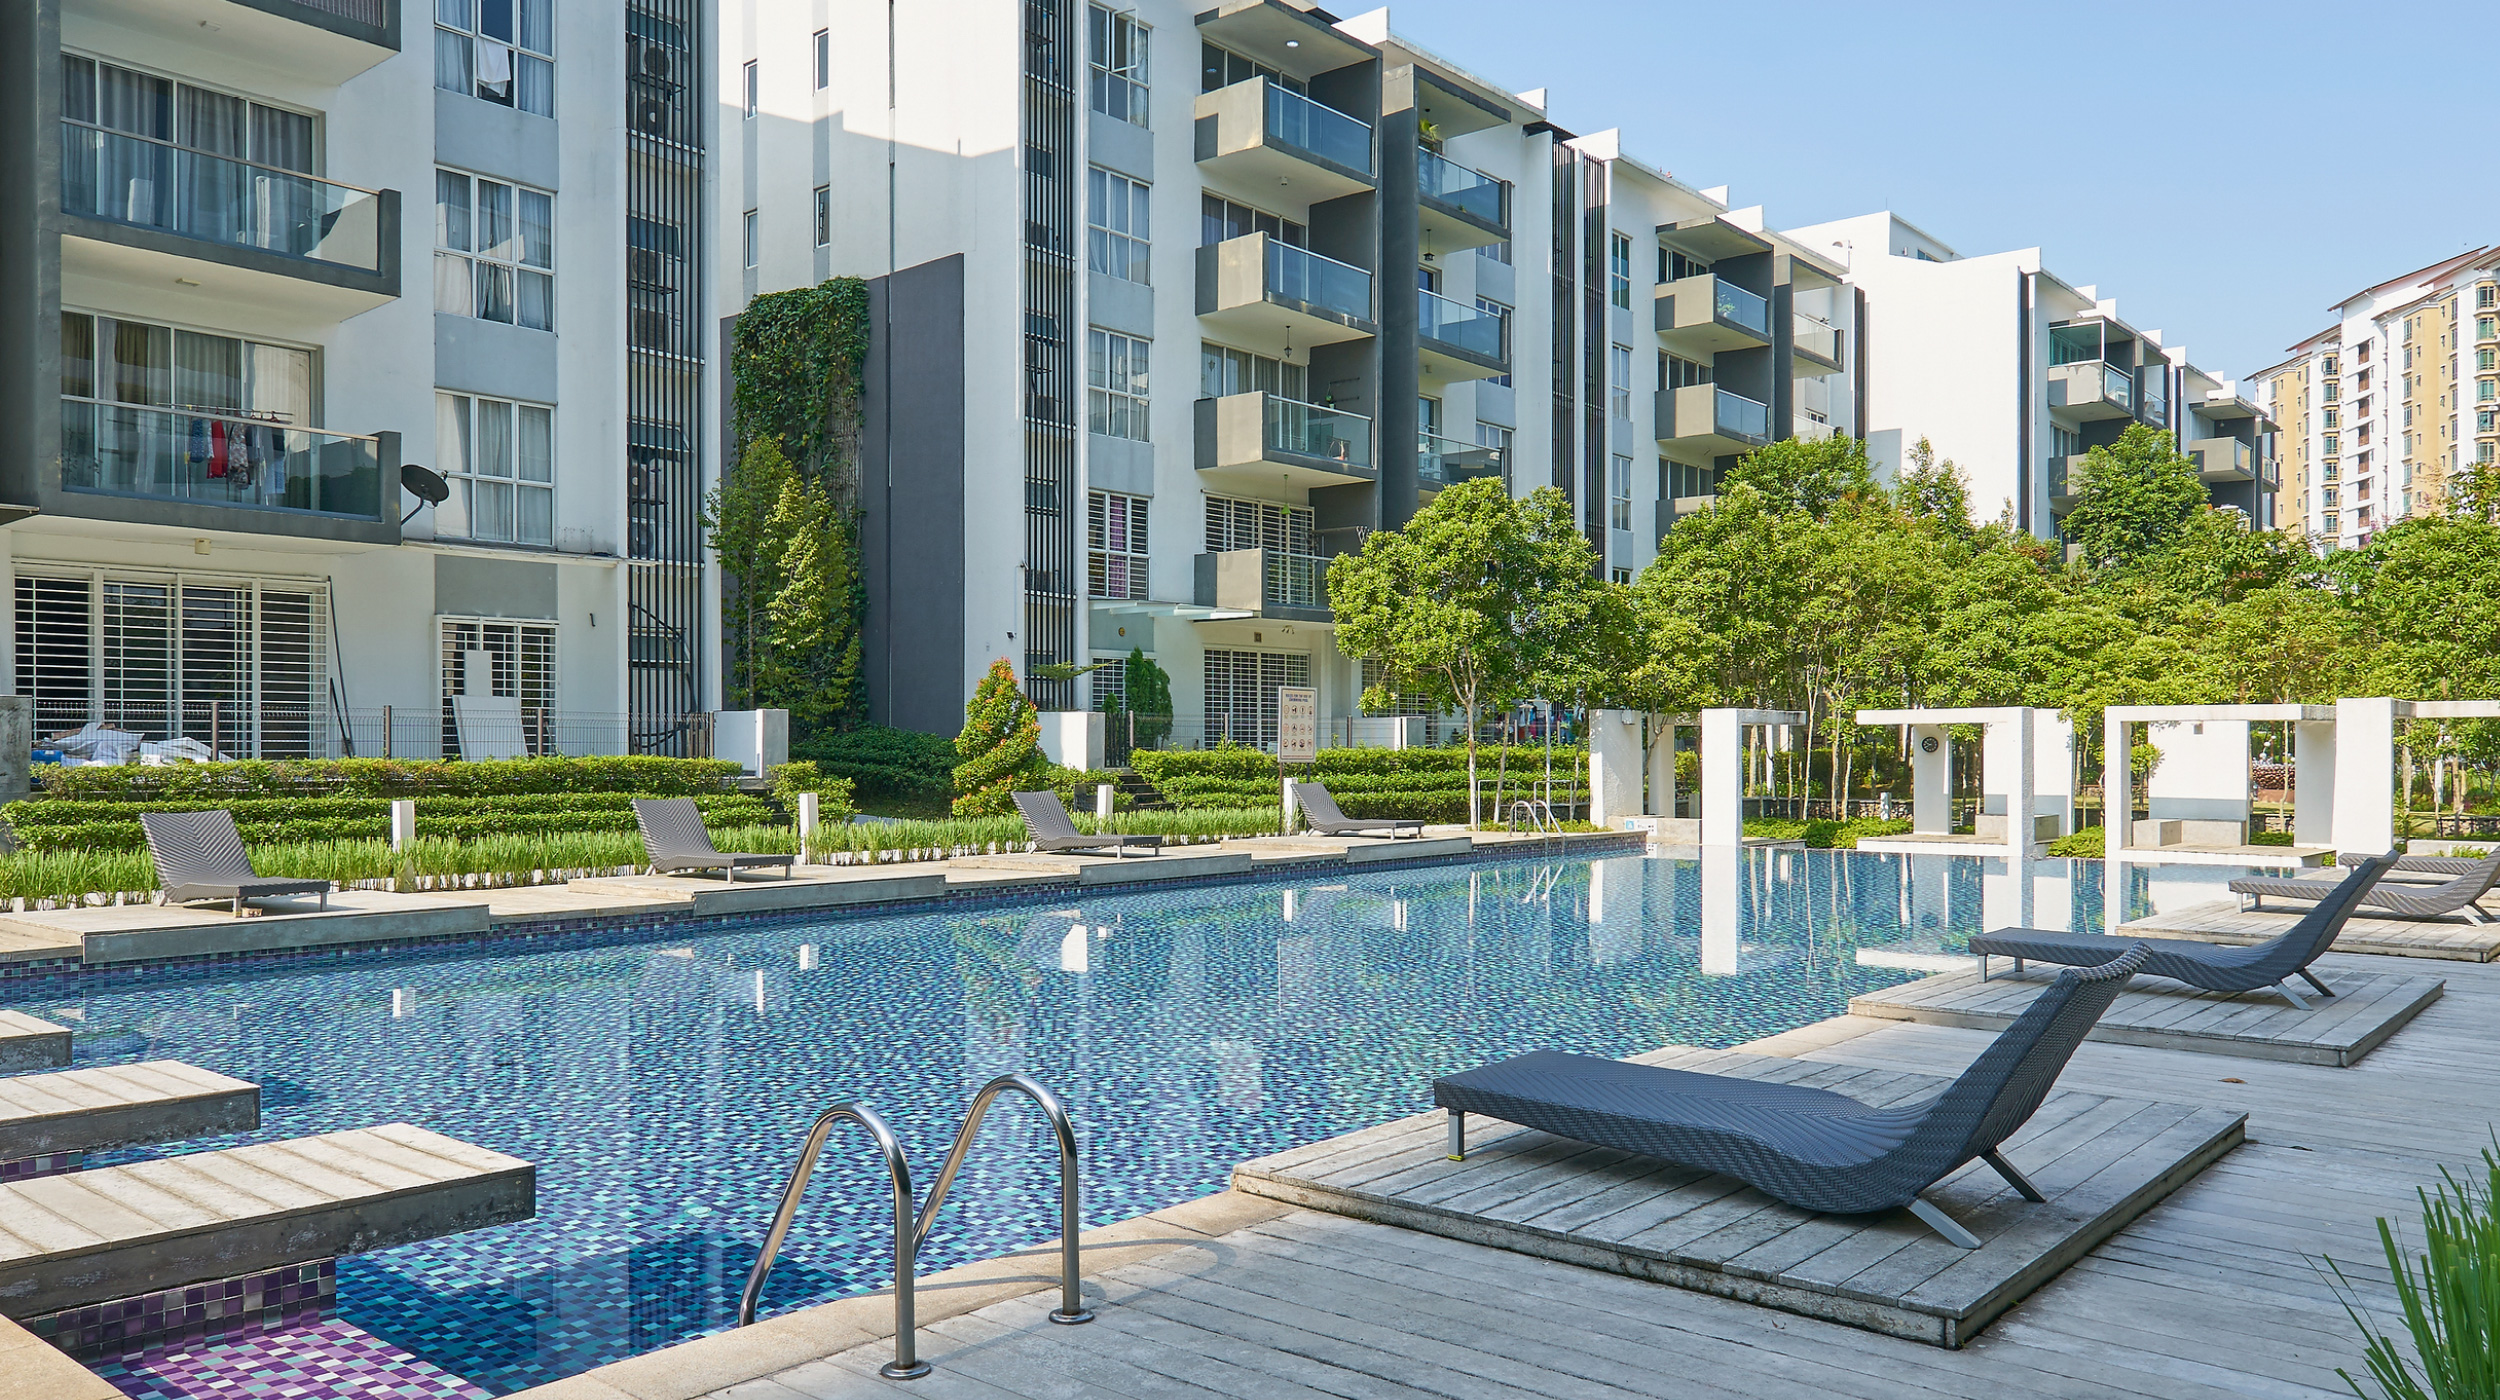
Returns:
point(324, 1361)
point(662, 1078)
point(195, 1315)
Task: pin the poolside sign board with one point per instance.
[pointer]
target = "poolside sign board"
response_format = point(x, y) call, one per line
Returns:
point(1297, 724)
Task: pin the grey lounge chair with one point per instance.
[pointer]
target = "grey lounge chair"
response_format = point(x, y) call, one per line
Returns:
point(1046, 821)
point(199, 855)
point(1811, 1148)
point(1319, 808)
point(2406, 901)
point(674, 838)
point(2430, 869)
point(2211, 967)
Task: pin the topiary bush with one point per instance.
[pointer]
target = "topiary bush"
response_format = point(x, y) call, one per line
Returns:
point(1000, 746)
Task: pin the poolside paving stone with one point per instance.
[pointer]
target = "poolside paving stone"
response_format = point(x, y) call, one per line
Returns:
point(89, 1110)
point(30, 1042)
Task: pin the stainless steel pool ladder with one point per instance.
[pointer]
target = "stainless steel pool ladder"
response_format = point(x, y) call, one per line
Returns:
point(912, 1231)
point(1538, 813)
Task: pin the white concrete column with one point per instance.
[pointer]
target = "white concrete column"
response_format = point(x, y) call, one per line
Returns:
point(1614, 738)
point(2313, 782)
point(1722, 894)
point(2117, 786)
point(1662, 772)
point(1722, 779)
point(403, 823)
point(2019, 800)
point(1073, 738)
point(2053, 768)
point(2365, 776)
point(1931, 779)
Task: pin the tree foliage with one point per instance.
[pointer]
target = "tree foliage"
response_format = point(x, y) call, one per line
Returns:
point(1000, 746)
point(2132, 498)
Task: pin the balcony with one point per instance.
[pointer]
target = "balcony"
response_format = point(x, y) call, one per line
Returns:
point(1473, 343)
point(1262, 441)
point(320, 42)
point(1458, 208)
point(1285, 38)
point(1442, 462)
point(1257, 285)
point(1264, 583)
point(1703, 315)
point(2061, 473)
point(138, 207)
point(1814, 350)
point(1271, 136)
point(2091, 389)
point(2222, 459)
point(216, 458)
point(1708, 421)
point(2152, 399)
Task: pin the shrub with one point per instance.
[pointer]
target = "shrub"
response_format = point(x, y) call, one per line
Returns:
point(1000, 746)
point(218, 784)
point(884, 764)
point(833, 795)
point(51, 825)
point(2270, 838)
point(1825, 833)
point(2085, 844)
point(2449, 1295)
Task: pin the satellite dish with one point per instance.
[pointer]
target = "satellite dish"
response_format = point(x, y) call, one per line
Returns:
point(422, 483)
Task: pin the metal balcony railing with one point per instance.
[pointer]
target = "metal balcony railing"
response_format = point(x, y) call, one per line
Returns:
point(1463, 188)
point(1737, 306)
point(1442, 462)
point(1462, 327)
point(1309, 430)
point(1318, 128)
point(1299, 274)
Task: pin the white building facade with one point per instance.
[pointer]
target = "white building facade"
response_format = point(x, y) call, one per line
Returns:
point(267, 255)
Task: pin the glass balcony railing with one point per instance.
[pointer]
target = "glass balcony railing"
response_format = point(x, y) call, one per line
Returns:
point(1739, 416)
point(1299, 274)
point(1443, 462)
point(1462, 327)
point(1737, 306)
point(1308, 430)
point(217, 458)
point(1817, 339)
point(1318, 128)
point(155, 184)
point(1462, 188)
point(2118, 386)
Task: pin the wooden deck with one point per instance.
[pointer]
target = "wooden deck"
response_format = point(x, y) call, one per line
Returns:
point(2223, 921)
point(116, 1232)
point(2102, 1161)
point(2368, 1007)
point(29, 1042)
point(89, 1110)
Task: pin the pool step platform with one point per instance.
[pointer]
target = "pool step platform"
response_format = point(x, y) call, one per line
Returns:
point(30, 1042)
point(90, 1110)
point(115, 1232)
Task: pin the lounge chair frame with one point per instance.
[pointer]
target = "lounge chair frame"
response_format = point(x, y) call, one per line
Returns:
point(2461, 895)
point(1319, 811)
point(2209, 967)
point(199, 855)
point(674, 839)
point(1811, 1148)
point(1048, 825)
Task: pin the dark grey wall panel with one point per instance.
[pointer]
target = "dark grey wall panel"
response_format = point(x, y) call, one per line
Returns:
point(465, 586)
point(912, 497)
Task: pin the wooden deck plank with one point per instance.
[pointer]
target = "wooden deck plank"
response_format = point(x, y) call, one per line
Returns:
point(90, 1110)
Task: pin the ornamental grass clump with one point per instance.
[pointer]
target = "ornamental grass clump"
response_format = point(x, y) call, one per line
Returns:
point(2449, 1295)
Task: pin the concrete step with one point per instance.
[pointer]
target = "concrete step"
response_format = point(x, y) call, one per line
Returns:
point(116, 1232)
point(29, 1043)
point(89, 1110)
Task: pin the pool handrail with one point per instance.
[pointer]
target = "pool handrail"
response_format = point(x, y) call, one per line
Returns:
point(912, 1231)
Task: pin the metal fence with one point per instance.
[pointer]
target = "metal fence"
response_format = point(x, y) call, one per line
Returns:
point(143, 732)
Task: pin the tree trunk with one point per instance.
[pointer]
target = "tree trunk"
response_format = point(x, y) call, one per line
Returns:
point(1474, 796)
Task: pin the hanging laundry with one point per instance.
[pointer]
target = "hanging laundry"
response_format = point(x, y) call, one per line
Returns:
point(196, 451)
point(217, 447)
point(494, 66)
point(241, 453)
point(273, 457)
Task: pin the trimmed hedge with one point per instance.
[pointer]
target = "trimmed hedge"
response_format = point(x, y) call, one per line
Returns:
point(114, 826)
point(1244, 763)
point(883, 763)
point(1825, 833)
point(219, 784)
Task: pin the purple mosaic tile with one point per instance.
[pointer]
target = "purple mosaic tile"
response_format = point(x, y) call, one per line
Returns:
point(329, 1360)
point(49, 1164)
point(192, 1316)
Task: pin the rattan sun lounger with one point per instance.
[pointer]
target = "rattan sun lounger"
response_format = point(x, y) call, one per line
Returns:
point(1811, 1148)
point(199, 855)
point(674, 838)
point(1046, 822)
point(2405, 901)
point(1319, 810)
point(2430, 869)
point(2210, 967)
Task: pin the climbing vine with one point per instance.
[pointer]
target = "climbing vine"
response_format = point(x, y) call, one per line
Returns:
point(784, 520)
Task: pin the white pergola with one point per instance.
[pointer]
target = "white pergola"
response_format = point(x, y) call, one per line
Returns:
point(2203, 775)
point(2026, 770)
point(1616, 767)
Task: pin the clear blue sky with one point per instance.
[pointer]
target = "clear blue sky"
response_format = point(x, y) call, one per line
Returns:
point(2212, 165)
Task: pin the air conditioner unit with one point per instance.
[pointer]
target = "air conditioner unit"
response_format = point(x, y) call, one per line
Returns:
point(651, 330)
point(641, 540)
point(642, 484)
point(652, 116)
point(649, 59)
point(649, 267)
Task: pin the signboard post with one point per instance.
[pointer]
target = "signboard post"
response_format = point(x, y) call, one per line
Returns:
point(1297, 740)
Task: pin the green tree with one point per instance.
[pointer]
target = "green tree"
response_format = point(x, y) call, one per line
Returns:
point(1935, 493)
point(792, 594)
point(2132, 497)
point(1000, 746)
point(1466, 604)
point(1149, 698)
point(1794, 474)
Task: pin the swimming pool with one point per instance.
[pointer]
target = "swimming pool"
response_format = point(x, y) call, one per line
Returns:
point(662, 1084)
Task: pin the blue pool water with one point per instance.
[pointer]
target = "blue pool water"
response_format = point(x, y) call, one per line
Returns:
point(662, 1084)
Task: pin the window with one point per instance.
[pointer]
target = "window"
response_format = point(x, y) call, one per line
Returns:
point(1675, 267)
point(1676, 372)
point(2329, 495)
point(1241, 691)
point(1619, 270)
point(747, 236)
point(494, 255)
point(1115, 540)
point(654, 270)
point(1224, 371)
point(131, 103)
point(2486, 295)
point(1495, 252)
point(747, 85)
point(501, 51)
point(824, 59)
point(1619, 493)
point(1220, 219)
point(2331, 417)
point(2486, 327)
point(2486, 420)
point(1497, 310)
point(1619, 382)
point(1237, 524)
point(1115, 376)
point(1110, 683)
point(1221, 68)
point(1621, 576)
point(1118, 44)
point(500, 458)
point(824, 215)
point(2487, 390)
point(515, 660)
point(228, 443)
point(2486, 359)
point(1115, 225)
point(1497, 438)
point(2064, 442)
point(2329, 443)
point(2328, 365)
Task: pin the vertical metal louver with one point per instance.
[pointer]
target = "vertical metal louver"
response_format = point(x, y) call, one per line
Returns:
point(1051, 338)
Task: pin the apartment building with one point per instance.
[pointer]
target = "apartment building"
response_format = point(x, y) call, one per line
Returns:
point(276, 262)
point(1174, 301)
point(2380, 409)
point(2015, 373)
